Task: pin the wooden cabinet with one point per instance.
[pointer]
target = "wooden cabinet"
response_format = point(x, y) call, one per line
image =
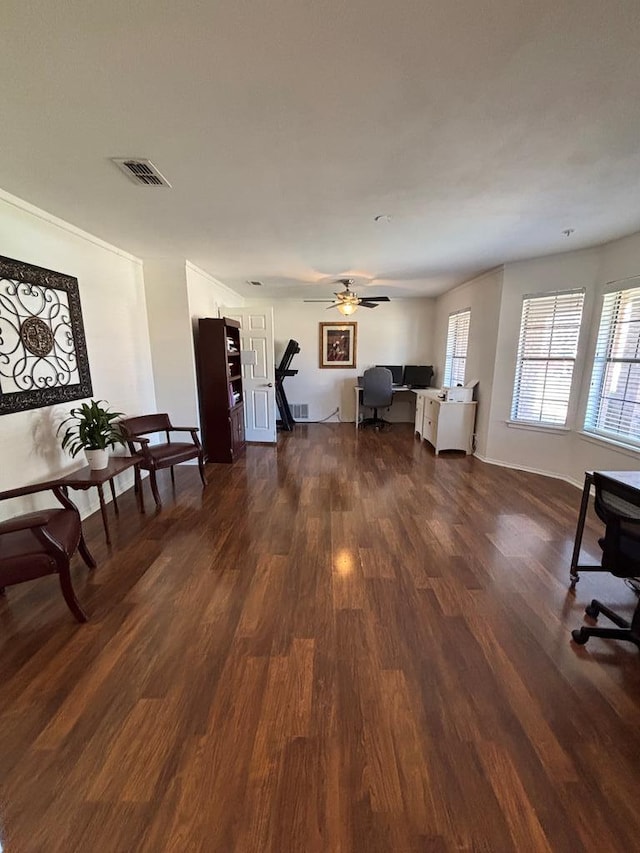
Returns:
point(237, 429)
point(447, 426)
point(220, 389)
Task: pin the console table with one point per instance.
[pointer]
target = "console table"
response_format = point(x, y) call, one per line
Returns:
point(85, 478)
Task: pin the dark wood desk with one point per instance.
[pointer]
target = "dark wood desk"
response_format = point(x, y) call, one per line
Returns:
point(85, 478)
point(627, 478)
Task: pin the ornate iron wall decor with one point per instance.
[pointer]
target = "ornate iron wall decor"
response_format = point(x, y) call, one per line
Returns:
point(43, 353)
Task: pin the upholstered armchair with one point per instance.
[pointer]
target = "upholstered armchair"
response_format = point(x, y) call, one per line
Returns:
point(42, 543)
point(162, 455)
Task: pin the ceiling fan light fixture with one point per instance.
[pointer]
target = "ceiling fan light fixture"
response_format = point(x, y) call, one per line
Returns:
point(347, 302)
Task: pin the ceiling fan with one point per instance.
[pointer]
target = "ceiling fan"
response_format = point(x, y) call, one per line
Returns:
point(347, 301)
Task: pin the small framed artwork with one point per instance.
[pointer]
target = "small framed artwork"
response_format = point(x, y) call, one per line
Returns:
point(338, 344)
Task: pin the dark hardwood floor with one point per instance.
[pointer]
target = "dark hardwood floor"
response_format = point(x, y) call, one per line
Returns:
point(341, 645)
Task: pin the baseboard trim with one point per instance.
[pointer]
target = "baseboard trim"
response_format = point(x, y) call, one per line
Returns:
point(552, 474)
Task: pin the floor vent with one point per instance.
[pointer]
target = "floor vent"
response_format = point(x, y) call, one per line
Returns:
point(141, 172)
point(299, 410)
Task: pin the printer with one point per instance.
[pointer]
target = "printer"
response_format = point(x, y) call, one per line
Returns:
point(460, 393)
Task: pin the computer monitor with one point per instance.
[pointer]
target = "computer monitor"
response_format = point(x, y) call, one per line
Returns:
point(418, 375)
point(396, 372)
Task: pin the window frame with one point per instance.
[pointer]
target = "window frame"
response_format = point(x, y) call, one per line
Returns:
point(450, 345)
point(590, 427)
point(522, 359)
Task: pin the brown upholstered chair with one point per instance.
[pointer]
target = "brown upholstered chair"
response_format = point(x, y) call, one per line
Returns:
point(43, 543)
point(164, 455)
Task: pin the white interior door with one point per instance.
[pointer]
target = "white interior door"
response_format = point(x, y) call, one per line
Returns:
point(258, 380)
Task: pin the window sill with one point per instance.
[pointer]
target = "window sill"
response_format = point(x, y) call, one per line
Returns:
point(620, 446)
point(538, 427)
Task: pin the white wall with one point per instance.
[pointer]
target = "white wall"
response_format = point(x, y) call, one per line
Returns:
point(207, 296)
point(482, 295)
point(563, 453)
point(170, 334)
point(178, 294)
point(398, 332)
point(618, 260)
point(115, 322)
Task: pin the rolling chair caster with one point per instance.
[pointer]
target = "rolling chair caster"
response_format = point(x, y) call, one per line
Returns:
point(579, 637)
point(592, 609)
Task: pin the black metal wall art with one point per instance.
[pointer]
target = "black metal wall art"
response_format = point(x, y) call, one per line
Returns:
point(43, 353)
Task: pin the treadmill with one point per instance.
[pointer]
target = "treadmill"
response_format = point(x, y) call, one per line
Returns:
point(283, 370)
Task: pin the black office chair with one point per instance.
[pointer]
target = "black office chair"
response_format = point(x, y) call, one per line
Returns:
point(377, 393)
point(618, 506)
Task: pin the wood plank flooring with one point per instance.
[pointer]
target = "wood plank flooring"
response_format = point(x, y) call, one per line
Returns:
point(342, 645)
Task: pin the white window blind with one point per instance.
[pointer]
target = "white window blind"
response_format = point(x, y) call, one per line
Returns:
point(549, 332)
point(614, 395)
point(457, 342)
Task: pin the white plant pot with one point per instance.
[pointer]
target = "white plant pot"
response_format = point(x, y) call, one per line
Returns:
point(97, 459)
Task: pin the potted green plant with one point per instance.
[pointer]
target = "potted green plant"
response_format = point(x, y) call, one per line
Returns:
point(91, 429)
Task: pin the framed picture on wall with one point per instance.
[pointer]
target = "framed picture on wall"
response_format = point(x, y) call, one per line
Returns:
point(43, 353)
point(338, 344)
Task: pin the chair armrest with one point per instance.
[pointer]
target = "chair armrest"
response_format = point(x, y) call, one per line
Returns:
point(144, 443)
point(25, 522)
point(140, 439)
point(50, 485)
point(194, 434)
point(29, 490)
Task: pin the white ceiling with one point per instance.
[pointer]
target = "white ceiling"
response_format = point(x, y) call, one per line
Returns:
point(483, 127)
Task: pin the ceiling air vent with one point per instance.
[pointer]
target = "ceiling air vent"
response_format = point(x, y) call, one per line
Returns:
point(141, 172)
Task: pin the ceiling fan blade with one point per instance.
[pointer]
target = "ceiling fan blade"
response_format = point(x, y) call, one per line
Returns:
point(367, 304)
point(377, 299)
point(318, 300)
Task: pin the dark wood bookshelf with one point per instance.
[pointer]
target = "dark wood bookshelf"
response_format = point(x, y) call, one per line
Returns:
point(220, 390)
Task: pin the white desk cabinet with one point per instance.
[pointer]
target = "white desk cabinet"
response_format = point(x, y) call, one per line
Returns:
point(447, 426)
point(419, 412)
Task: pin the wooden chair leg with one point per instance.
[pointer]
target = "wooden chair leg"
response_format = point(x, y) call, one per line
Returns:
point(70, 596)
point(154, 488)
point(85, 553)
point(173, 476)
point(201, 467)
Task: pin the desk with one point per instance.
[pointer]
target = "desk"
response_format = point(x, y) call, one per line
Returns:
point(627, 478)
point(85, 478)
point(397, 389)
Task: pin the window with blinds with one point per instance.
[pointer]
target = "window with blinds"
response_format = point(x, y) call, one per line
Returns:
point(614, 395)
point(549, 332)
point(456, 352)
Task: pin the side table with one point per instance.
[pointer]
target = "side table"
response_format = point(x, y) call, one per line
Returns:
point(85, 478)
